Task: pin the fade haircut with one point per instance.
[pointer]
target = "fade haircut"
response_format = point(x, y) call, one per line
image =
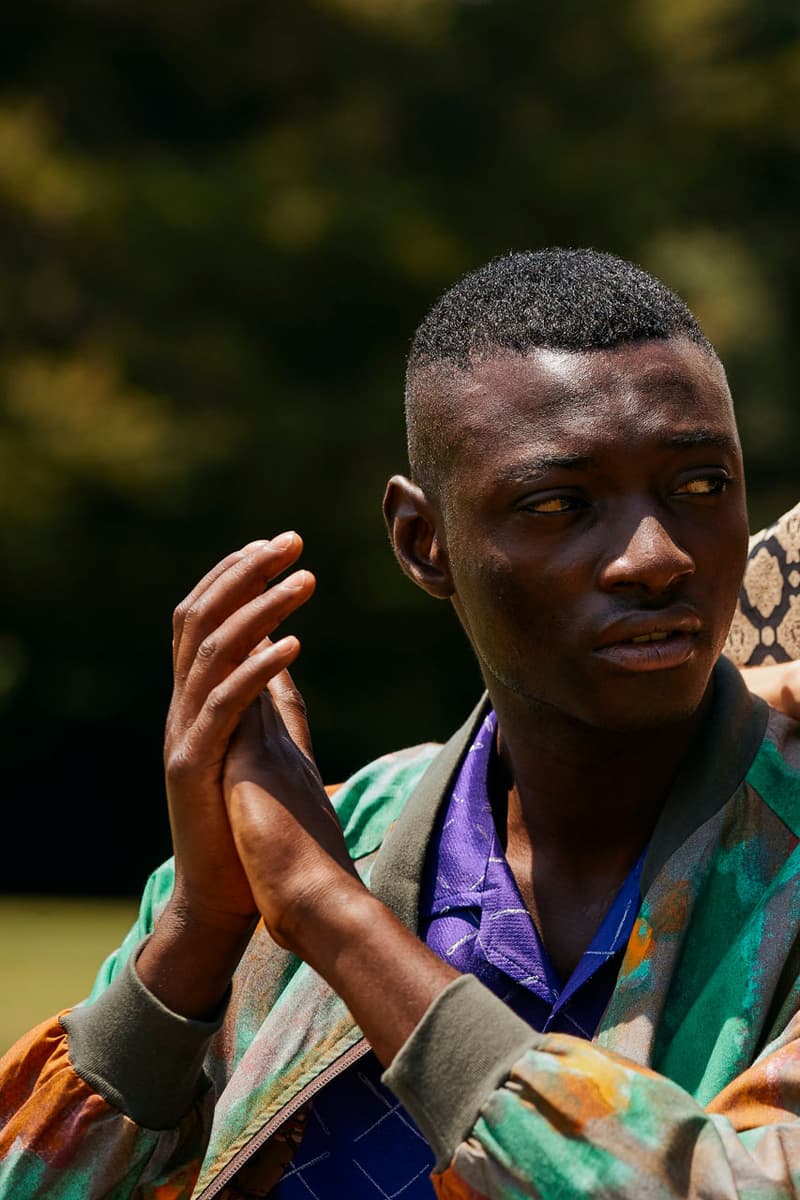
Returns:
point(555, 298)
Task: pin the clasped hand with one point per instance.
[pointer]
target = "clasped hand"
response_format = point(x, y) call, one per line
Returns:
point(252, 827)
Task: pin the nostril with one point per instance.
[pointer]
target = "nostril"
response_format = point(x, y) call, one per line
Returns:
point(652, 573)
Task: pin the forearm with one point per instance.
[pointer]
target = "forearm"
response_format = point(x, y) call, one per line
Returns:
point(386, 976)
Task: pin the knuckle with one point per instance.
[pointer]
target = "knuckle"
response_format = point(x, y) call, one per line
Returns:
point(179, 763)
point(191, 612)
point(297, 705)
point(179, 616)
point(290, 699)
point(216, 700)
point(207, 648)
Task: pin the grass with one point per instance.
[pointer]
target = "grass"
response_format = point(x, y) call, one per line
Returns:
point(50, 949)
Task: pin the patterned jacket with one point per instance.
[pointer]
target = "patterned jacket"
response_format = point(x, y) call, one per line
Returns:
point(691, 1086)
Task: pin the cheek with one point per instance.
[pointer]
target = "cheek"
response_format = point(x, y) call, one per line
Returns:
point(506, 609)
point(724, 558)
point(727, 581)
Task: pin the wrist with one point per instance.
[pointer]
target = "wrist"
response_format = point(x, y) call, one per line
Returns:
point(189, 912)
point(386, 976)
point(318, 925)
point(188, 962)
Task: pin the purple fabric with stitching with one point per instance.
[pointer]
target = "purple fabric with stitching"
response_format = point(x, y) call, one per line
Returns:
point(473, 915)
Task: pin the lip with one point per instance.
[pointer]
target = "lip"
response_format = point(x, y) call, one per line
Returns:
point(670, 651)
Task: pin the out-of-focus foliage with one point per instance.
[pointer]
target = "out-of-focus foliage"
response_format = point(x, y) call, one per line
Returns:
point(219, 226)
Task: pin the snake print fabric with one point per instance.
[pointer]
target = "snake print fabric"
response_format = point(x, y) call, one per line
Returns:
point(766, 625)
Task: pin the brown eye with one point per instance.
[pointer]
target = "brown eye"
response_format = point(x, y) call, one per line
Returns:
point(708, 485)
point(554, 504)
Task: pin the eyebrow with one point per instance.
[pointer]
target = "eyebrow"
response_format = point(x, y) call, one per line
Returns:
point(686, 440)
point(520, 471)
point(691, 438)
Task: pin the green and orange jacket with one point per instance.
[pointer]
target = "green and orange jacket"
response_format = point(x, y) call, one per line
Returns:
point(691, 1086)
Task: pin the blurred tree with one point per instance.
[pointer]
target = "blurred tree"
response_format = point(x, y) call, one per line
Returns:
point(219, 226)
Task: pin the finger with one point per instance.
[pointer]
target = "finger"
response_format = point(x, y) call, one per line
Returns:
point(281, 751)
point(225, 589)
point(179, 616)
point(249, 731)
point(289, 705)
point(222, 712)
point(240, 636)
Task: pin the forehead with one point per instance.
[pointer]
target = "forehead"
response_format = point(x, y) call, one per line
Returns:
point(586, 403)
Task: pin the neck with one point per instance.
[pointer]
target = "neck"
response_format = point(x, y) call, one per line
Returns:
point(583, 794)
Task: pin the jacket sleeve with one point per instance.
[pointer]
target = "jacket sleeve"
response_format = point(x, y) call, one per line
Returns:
point(511, 1113)
point(109, 1099)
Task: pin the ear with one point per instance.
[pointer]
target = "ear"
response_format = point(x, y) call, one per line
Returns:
point(415, 533)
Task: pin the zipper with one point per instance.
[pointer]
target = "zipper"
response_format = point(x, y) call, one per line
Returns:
point(359, 1050)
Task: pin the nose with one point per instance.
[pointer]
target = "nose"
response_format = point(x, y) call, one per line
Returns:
point(647, 559)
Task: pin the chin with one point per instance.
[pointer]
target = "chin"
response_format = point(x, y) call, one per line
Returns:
point(654, 707)
point(643, 721)
point(652, 701)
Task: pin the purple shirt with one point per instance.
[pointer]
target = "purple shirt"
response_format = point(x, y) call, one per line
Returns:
point(476, 919)
point(360, 1142)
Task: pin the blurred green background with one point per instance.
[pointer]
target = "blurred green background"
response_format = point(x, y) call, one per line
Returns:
point(219, 226)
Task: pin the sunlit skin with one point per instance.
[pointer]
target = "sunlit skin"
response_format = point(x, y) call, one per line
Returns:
point(587, 495)
point(778, 684)
point(552, 569)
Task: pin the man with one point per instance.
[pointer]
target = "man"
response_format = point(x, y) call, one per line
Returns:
point(577, 958)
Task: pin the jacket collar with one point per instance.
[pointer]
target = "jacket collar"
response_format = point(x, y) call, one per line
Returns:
point(397, 873)
point(715, 767)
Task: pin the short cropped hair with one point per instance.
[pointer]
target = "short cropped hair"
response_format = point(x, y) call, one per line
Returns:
point(554, 298)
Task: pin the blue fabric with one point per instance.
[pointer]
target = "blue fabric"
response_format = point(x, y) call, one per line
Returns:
point(360, 1142)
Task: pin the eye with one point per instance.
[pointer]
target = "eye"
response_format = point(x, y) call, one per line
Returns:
point(704, 485)
point(551, 505)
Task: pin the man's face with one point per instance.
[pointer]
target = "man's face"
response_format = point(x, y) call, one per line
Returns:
point(595, 527)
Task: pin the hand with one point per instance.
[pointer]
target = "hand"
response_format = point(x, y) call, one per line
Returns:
point(287, 834)
point(306, 887)
point(222, 659)
point(778, 684)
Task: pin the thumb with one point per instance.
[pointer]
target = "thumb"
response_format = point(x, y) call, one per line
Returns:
point(290, 707)
point(245, 747)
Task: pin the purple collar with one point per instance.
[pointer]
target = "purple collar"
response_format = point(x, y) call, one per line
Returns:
point(474, 917)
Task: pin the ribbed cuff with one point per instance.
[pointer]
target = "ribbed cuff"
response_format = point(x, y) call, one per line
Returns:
point(138, 1055)
point(462, 1049)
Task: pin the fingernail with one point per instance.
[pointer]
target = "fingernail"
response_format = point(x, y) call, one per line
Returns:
point(256, 545)
point(283, 541)
point(296, 581)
